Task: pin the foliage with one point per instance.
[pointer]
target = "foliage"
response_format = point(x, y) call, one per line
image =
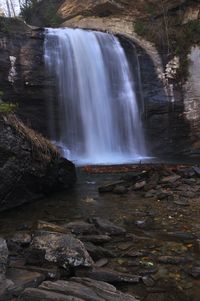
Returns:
point(4, 25)
point(51, 18)
point(176, 37)
point(7, 108)
point(26, 9)
point(49, 15)
point(194, 27)
point(150, 9)
point(140, 28)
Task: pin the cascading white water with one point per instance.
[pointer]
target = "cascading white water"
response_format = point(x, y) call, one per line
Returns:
point(98, 115)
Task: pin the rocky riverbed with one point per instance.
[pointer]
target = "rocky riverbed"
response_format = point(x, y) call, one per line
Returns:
point(136, 228)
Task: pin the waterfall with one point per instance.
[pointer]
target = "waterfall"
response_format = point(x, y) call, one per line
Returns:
point(95, 111)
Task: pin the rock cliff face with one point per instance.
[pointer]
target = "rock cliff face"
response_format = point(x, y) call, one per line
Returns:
point(30, 166)
point(22, 76)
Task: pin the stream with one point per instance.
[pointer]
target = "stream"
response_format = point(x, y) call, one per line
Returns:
point(166, 247)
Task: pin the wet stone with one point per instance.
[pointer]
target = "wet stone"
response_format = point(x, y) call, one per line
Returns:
point(22, 279)
point(139, 185)
point(5, 287)
point(119, 189)
point(108, 275)
point(151, 193)
point(170, 179)
point(148, 281)
point(23, 227)
point(187, 194)
point(32, 294)
point(77, 289)
point(134, 253)
point(162, 194)
point(182, 235)
point(160, 297)
point(101, 263)
point(110, 187)
point(81, 227)
point(97, 252)
point(147, 223)
point(3, 255)
point(173, 260)
point(195, 272)
point(181, 201)
point(46, 226)
point(21, 238)
point(59, 249)
point(107, 227)
point(196, 170)
point(52, 272)
point(135, 176)
point(97, 239)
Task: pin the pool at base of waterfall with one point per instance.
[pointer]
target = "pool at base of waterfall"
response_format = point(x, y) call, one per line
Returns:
point(104, 158)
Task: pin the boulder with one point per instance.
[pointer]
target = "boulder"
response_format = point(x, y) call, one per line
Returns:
point(77, 289)
point(60, 249)
point(30, 166)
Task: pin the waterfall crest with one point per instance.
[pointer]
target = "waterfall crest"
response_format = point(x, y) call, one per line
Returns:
point(98, 117)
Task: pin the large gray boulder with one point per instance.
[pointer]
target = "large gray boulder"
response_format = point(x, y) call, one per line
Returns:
point(30, 166)
point(60, 249)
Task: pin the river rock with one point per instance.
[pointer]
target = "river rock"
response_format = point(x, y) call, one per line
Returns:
point(195, 272)
point(170, 179)
point(97, 252)
point(107, 275)
point(97, 239)
point(46, 226)
point(173, 260)
point(21, 279)
point(139, 185)
point(196, 170)
point(21, 238)
point(30, 166)
point(120, 189)
point(110, 186)
point(77, 289)
point(57, 248)
point(3, 256)
point(101, 263)
point(81, 227)
point(5, 286)
point(107, 227)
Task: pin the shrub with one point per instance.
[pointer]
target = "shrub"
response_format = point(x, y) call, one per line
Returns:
point(140, 28)
point(26, 9)
point(7, 108)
